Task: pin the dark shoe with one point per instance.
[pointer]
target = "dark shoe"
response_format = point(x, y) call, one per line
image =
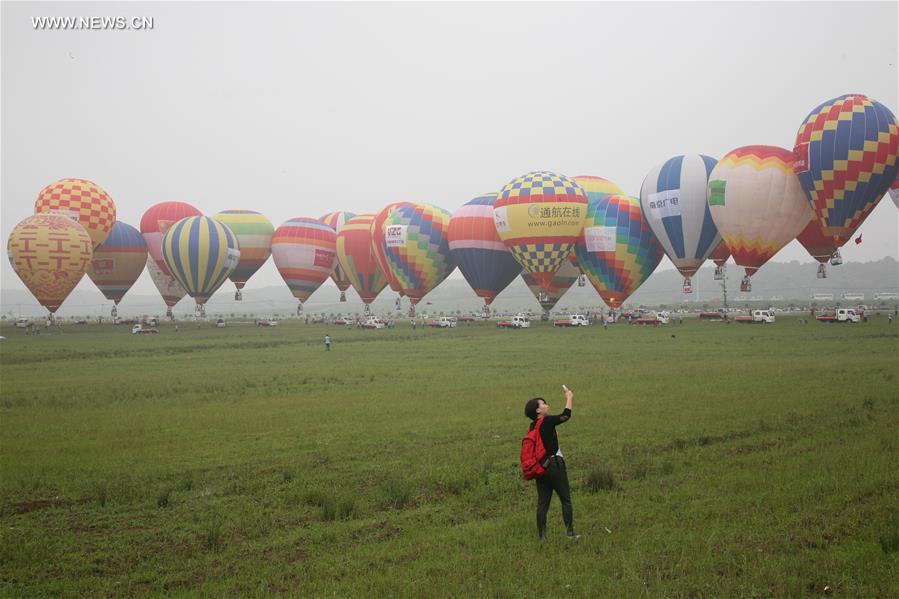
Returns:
point(573, 535)
point(541, 534)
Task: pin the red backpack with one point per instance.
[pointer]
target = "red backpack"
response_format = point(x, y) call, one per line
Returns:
point(534, 462)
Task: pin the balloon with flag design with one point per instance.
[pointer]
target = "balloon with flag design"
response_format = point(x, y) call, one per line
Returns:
point(201, 253)
point(305, 253)
point(561, 282)
point(416, 248)
point(336, 220)
point(171, 291)
point(673, 199)
point(50, 253)
point(476, 248)
point(254, 236)
point(157, 220)
point(757, 203)
point(617, 250)
point(83, 201)
point(118, 262)
point(355, 255)
point(847, 156)
point(539, 216)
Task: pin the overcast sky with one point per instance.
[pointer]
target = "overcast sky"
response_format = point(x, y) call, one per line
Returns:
point(301, 109)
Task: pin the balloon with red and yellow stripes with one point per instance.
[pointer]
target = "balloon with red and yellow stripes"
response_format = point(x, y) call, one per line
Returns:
point(118, 262)
point(254, 236)
point(355, 256)
point(84, 202)
point(336, 220)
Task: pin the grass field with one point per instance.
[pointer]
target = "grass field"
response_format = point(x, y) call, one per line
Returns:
point(705, 460)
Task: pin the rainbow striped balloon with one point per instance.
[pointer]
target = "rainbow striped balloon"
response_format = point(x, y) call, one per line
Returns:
point(416, 247)
point(254, 236)
point(356, 256)
point(305, 253)
point(336, 220)
point(377, 241)
point(617, 250)
point(539, 216)
point(596, 188)
point(81, 200)
point(201, 253)
point(847, 156)
point(118, 262)
point(561, 282)
point(478, 251)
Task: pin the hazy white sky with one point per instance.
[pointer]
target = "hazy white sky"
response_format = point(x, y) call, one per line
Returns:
point(301, 109)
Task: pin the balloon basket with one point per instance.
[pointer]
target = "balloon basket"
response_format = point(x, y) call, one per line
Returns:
point(238, 296)
point(398, 304)
point(688, 285)
point(836, 259)
point(719, 273)
point(200, 311)
point(366, 310)
point(168, 314)
point(343, 296)
point(114, 312)
point(745, 285)
point(822, 271)
point(582, 281)
point(299, 308)
point(412, 311)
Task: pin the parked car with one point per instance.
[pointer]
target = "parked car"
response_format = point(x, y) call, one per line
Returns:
point(519, 321)
point(23, 323)
point(220, 323)
point(139, 329)
point(575, 320)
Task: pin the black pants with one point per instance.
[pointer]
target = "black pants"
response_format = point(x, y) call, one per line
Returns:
point(556, 480)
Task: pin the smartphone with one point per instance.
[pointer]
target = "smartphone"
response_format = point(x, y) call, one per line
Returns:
point(564, 388)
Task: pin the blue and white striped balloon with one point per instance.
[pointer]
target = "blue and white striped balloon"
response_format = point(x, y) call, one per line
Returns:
point(201, 253)
point(673, 199)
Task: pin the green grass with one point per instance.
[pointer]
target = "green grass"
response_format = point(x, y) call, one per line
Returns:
point(705, 460)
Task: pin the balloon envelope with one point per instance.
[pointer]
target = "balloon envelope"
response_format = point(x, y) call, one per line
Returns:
point(720, 254)
point(50, 253)
point(757, 203)
point(254, 237)
point(478, 251)
point(617, 250)
point(539, 216)
point(118, 262)
point(377, 239)
point(673, 199)
point(356, 256)
point(596, 188)
point(416, 247)
point(847, 156)
point(305, 253)
point(157, 220)
point(83, 201)
point(894, 191)
point(170, 290)
point(561, 282)
point(336, 220)
point(201, 253)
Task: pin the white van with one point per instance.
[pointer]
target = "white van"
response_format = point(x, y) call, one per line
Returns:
point(23, 323)
point(447, 322)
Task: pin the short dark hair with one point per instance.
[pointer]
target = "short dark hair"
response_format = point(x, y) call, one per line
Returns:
point(530, 408)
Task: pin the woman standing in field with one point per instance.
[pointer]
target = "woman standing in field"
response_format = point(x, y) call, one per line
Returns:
point(557, 478)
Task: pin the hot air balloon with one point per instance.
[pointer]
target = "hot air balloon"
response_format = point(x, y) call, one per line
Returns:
point(478, 251)
point(356, 257)
point(170, 290)
point(596, 188)
point(617, 249)
point(416, 248)
point(82, 201)
point(336, 220)
point(539, 216)
point(201, 253)
point(719, 256)
point(377, 240)
point(254, 237)
point(673, 199)
point(118, 262)
point(305, 253)
point(561, 282)
point(50, 253)
point(847, 156)
point(757, 203)
point(157, 220)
